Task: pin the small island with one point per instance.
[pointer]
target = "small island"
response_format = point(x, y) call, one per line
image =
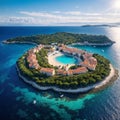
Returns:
point(39, 68)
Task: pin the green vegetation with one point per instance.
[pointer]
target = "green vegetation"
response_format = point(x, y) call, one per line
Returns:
point(62, 37)
point(42, 58)
point(31, 74)
point(73, 81)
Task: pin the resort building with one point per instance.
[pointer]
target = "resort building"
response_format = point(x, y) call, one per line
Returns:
point(78, 70)
point(88, 61)
point(32, 60)
point(87, 55)
point(61, 72)
point(47, 71)
point(70, 51)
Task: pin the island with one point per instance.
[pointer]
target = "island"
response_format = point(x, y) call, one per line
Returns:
point(39, 68)
point(63, 38)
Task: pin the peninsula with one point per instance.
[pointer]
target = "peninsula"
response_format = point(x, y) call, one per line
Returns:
point(63, 38)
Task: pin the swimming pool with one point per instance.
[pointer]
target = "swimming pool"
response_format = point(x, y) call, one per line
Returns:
point(64, 59)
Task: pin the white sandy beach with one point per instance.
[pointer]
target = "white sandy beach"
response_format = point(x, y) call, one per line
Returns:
point(78, 90)
point(52, 59)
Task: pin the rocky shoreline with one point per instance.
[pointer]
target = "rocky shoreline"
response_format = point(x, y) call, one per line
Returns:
point(94, 44)
point(89, 44)
point(112, 76)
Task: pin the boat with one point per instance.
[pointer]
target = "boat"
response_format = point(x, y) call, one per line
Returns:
point(102, 50)
point(61, 95)
point(34, 101)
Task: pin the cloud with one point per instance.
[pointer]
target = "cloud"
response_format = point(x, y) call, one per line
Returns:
point(73, 13)
point(59, 18)
point(56, 12)
point(42, 14)
point(38, 14)
point(73, 16)
point(16, 20)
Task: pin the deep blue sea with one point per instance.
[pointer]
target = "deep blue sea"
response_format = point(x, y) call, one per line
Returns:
point(16, 97)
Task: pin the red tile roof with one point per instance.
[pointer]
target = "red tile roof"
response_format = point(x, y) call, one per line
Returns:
point(47, 70)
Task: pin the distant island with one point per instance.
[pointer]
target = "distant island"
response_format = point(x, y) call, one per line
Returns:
point(63, 38)
point(102, 25)
point(39, 68)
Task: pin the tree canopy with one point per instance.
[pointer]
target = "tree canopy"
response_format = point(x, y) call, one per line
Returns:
point(62, 37)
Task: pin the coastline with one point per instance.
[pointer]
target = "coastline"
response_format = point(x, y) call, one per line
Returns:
point(78, 90)
point(82, 44)
point(93, 44)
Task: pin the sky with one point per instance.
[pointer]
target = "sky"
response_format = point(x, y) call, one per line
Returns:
point(58, 12)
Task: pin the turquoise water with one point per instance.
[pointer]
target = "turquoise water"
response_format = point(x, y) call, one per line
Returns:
point(66, 59)
point(16, 97)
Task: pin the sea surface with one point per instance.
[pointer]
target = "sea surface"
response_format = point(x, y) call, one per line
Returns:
point(20, 101)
